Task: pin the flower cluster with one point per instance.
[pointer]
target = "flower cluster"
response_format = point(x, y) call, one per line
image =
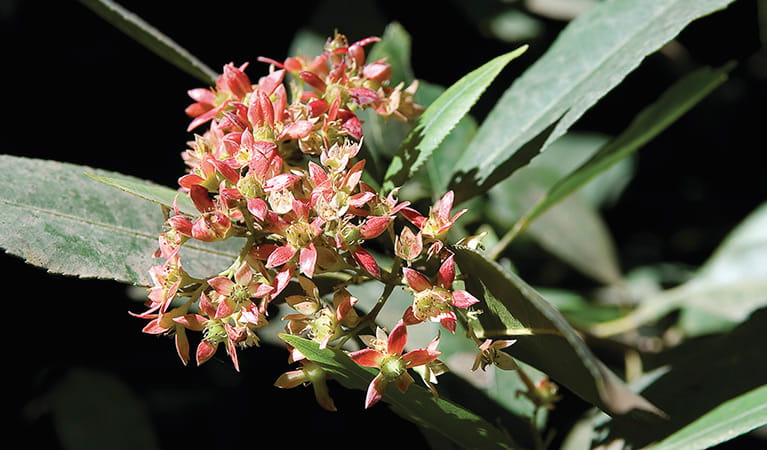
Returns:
point(278, 166)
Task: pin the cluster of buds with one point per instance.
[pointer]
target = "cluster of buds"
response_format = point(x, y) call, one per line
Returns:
point(279, 168)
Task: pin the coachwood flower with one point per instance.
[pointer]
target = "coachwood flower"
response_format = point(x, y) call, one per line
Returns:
point(435, 301)
point(309, 373)
point(490, 353)
point(385, 353)
point(435, 226)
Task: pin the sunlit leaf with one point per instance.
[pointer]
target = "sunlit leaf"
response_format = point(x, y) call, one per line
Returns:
point(677, 100)
point(161, 195)
point(589, 58)
point(440, 118)
point(54, 216)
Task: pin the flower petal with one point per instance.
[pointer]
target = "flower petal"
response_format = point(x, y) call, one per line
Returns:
point(308, 259)
point(367, 357)
point(463, 299)
point(409, 317)
point(446, 273)
point(182, 345)
point(366, 261)
point(280, 256)
point(416, 280)
point(205, 351)
point(397, 339)
point(375, 390)
point(291, 379)
point(448, 320)
point(444, 206)
point(222, 285)
point(420, 357)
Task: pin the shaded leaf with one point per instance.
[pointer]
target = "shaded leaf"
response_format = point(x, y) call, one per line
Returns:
point(728, 287)
point(727, 421)
point(677, 100)
point(579, 311)
point(151, 38)
point(590, 57)
point(440, 118)
point(55, 217)
point(417, 404)
point(545, 340)
point(573, 149)
point(694, 379)
point(573, 230)
point(96, 410)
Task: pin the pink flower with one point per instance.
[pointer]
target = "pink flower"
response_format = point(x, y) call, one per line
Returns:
point(385, 353)
point(309, 373)
point(439, 221)
point(490, 353)
point(435, 302)
point(175, 322)
point(235, 295)
point(299, 235)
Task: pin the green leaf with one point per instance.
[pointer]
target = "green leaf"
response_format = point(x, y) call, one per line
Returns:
point(96, 410)
point(728, 420)
point(151, 38)
point(573, 230)
point(702, 384)
point(545, 340)
point(676, 101)
point(55, 217)
point(590, 57)
point(728, 287)
point(417, 404)
point(578, 310)
point(440, 118)
point(572, 150)
point(152, 192)
point(432, 179)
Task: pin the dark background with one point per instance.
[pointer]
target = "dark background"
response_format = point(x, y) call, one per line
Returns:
point(76, 89)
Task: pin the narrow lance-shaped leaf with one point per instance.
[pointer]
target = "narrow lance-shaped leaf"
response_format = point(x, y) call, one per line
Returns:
point(729, 286)
point(417, 404)
point(440, 117)
point(55, 217)
point(151, 38)
point(712, 389)
point(573, 230)
point(155, 193)
point(590, 57)
point(727, 421)
point(650, 122)
point(545, 340)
